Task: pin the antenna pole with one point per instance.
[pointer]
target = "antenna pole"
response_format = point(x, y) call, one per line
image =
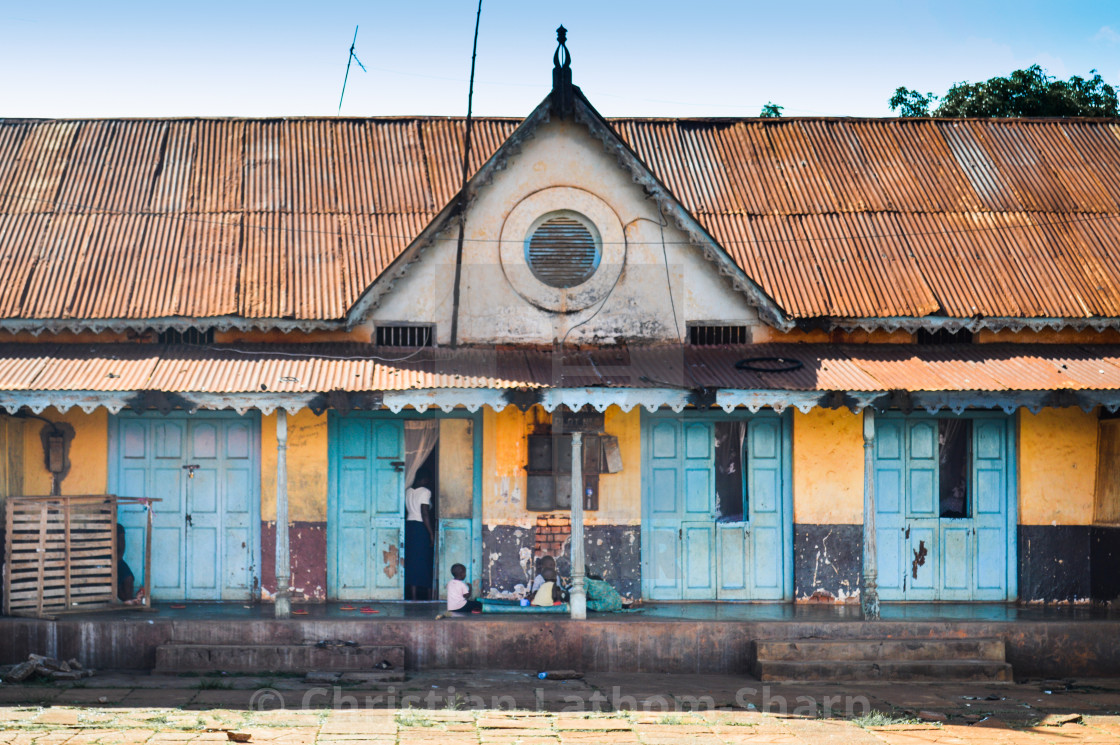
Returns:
point(350, 58)
point(463, 190)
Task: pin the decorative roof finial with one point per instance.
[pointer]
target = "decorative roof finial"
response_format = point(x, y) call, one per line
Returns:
point(562, 94)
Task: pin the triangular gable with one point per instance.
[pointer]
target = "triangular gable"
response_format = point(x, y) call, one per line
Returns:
point(670, 206)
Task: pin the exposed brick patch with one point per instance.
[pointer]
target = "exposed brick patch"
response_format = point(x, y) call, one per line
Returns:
point(552, 533)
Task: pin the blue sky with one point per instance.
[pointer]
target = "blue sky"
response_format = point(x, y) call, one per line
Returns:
point(639, 58)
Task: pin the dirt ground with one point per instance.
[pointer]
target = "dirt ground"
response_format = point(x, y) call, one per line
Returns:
point(517, 707)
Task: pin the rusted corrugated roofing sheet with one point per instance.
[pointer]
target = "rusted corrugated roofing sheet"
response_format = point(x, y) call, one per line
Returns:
point(294, 218)
point(352, 367)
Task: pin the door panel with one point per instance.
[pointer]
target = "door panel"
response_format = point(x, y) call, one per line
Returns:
point(205, 529)
point(920, 583)
point(764, 466)
point(687, 554)
point(455, 547)
point(731, 548)
point(698, 489)
point(663, 566)
point(388, 559)
point(699, 568)
point(956, 559)
point(921, 555)
point(365, 523)
point(664, 491)
point(890, 544)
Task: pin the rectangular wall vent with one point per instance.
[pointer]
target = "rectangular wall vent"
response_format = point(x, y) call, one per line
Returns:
point(710, 336)
point(937, 337)
point(192, 337)
point(405, 335)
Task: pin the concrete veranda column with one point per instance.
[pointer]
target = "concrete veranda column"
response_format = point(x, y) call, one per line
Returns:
point(283, 561)
point(578, 597)
point(869, 596)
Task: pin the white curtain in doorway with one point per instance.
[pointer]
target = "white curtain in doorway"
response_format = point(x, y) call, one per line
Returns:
point(420, 437)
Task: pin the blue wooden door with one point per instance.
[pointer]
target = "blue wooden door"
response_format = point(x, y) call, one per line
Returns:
point(688, 554)
point(206, 528)
point(766, 521)
point(365, 521)
point(992, 529)
point(922, 555)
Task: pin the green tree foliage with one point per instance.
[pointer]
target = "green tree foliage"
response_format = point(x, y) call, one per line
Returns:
point(1029, 92)
point(771, 110)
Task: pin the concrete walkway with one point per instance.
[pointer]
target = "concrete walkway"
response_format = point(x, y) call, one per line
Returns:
point(516, 707)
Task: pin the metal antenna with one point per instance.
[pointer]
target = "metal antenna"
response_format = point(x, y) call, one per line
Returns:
point(463, 190)
point(352, 58)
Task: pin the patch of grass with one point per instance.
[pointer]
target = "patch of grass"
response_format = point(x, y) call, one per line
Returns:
point(674, 719)
point(214, 684)
point(413, 718)
point(875, 718)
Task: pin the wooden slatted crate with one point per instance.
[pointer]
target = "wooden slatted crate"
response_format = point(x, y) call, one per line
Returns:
point(60, 554)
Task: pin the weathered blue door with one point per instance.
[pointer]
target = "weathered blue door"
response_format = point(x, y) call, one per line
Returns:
point(365, 511)
point(690, 552)
point(934, 543)
point(206, 530)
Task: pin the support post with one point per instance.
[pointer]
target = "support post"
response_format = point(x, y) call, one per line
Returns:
point(869, 596)
point(283, 561)
point(578, 598)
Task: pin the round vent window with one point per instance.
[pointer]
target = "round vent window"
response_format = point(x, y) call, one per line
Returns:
point(562, 250)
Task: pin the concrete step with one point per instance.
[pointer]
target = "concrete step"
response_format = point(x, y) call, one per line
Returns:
point(275, 658)
point(893, 670)
point(873, 650)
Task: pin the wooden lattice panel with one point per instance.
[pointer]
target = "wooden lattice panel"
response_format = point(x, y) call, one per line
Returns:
point(60, 554)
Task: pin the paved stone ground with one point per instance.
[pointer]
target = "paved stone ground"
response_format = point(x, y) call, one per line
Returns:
point(511, 708)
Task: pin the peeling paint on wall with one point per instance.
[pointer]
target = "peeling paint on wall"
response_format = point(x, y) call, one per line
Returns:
point(827, 562)
point(307, 543)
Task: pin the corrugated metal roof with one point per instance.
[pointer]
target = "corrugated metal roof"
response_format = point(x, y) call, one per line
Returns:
point(294, 218)
point(354, 368)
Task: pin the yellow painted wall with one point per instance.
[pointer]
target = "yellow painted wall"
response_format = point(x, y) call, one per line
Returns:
point(827, 467)
point(505, 455)
point(89, 453)
point(1057, 467)
point(620, 494)
point(307, 467)
point(11, 456)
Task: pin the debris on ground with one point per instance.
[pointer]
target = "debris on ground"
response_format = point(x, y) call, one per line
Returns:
point(231, 735)
point(40, 666)
point(932, 716)
point(560, 675)
point(1057, 720)
point(334, 643)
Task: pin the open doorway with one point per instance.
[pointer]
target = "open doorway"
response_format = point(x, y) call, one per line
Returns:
point(421, 508)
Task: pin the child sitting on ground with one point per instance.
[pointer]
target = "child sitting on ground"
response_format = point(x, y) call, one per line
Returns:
point(459, 592)
point(549, 592)
point(543, 563)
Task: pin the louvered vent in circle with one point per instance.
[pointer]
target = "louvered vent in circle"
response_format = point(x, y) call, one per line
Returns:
point(562, 252)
